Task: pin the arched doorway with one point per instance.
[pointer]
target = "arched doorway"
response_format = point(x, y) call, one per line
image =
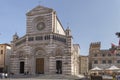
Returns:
point(22, 67)
point(40, 65)
point(22, 62)
point(59, 66)
point(59, 55)
point(40, 61)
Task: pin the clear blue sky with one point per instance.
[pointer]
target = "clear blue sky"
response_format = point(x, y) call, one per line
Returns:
point(89, 20)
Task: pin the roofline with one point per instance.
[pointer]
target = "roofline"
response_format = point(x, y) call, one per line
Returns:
point(60, 23)
point(77, 44)
point(6, 44)
point(36, 7)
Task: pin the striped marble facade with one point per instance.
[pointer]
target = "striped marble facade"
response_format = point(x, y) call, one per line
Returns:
point(41, 51)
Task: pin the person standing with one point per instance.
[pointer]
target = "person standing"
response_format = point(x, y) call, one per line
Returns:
point(114, 76)
point(118, 76)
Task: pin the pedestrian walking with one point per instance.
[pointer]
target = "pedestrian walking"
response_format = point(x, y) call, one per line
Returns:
point(6, 75)
point(3, 75)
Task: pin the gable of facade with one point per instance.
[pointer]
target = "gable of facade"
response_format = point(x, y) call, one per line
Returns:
point(43, 20)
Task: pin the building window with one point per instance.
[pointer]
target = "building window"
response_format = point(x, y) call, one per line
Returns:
point(39, 38)
point(58, 38)
point(118, 61)
point(95, 62)
point(109, 54)
point(118, 54)
point(47, 37)
point(103, 61)
point(95, 55)
point(109, 61)
point(103, 55)
point(1, 51)
point(30, 39)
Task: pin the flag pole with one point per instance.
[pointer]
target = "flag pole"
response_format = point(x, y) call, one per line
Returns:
point(118, 35)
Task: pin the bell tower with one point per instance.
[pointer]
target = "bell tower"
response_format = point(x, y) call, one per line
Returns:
point(94, 47)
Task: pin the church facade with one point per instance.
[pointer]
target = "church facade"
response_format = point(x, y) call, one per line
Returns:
point(46, 48)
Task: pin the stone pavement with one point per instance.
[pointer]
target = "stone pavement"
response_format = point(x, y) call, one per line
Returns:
point(32, 79)
point(46, 79)
point(43, 77)
point(38, 79)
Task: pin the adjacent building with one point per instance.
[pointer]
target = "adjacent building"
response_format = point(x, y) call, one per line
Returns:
point(46, 48)
point(83, 66)
point(103, 58)
point(5, 50)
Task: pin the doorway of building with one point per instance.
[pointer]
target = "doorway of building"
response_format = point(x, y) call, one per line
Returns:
point(1, 70)
point(59, 66)
point(40, 65)
point(22, 67)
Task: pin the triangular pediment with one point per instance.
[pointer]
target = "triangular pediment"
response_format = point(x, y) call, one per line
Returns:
point(39, 10)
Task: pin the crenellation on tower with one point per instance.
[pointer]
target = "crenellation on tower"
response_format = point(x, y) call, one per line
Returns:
point(94, 46)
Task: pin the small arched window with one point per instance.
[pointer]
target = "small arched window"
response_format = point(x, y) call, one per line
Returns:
point(109, 54)
point(1, 51)
point(95, 55)
point(103, 55)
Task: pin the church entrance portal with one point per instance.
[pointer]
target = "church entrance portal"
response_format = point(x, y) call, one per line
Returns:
point(40, 65)
point(59, 66)
point(21, 67)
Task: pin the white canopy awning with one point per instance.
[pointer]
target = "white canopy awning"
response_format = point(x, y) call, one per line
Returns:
point(113, 68)
point(96, 69)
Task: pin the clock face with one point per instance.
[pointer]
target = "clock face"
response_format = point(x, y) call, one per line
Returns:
point(40, 26)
